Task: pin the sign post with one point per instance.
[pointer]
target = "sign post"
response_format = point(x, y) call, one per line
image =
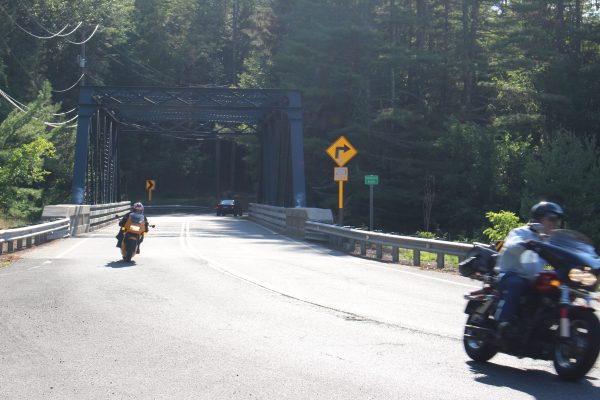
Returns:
point(341, 151)
point(150, 186)
point(371, 180)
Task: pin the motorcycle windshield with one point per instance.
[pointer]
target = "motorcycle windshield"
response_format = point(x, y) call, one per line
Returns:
point(578, 245)
point(136, 218)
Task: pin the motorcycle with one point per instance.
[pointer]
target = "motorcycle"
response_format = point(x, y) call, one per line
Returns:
point(556, 321)
point(133, 232)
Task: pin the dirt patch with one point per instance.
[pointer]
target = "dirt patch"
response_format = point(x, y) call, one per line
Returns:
point(8, 259)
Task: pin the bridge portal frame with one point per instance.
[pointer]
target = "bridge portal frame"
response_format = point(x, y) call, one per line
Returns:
point(189, 113)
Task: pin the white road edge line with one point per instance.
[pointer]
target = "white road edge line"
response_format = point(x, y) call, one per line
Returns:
point(64, 253)
point(217, 266)
point(372, 263)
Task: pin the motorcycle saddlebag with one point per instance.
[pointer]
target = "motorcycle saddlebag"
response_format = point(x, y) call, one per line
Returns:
point(480, 260)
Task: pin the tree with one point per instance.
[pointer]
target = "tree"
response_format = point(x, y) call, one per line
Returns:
point(566, 169)
point(25, 149)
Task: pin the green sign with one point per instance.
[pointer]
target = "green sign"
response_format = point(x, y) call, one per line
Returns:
point(371, 179)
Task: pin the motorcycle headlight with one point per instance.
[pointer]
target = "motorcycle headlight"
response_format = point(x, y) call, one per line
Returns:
point(134, 228)
point(583, 277)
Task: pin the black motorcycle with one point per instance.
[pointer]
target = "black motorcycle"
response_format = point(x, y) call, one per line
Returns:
point(556, 319)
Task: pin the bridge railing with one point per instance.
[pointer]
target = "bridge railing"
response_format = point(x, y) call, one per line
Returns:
point(269, 216)
point(348, 237)
point(317, 224)
point(104, 214)
point(16, 239)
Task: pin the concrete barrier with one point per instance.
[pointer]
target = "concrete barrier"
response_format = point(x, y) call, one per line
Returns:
point(296, 219)
point(84, 218)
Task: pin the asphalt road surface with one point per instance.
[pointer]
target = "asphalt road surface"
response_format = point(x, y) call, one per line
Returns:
point(221, 308)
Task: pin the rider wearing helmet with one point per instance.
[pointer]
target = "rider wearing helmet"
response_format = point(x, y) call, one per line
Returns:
point(519, 268)
point(137, 208)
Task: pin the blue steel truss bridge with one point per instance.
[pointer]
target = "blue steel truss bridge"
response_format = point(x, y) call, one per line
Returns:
point(108, 113)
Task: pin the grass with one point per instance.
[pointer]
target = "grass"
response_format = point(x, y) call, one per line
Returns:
point(6, 223)
point(428, 260)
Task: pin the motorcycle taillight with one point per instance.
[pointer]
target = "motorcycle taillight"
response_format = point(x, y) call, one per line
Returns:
point(546, 282)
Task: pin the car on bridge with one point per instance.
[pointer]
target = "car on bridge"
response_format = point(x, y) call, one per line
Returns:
point(228, 207)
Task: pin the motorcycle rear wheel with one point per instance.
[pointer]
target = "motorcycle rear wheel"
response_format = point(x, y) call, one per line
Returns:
point(575, 356)
point(481, 348)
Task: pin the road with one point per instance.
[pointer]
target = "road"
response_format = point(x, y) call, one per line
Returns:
point(221, 308)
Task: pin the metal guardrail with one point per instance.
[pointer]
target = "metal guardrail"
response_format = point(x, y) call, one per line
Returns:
point(364, 238)
point(16, 239)
point(104, 214)
point(270, 216)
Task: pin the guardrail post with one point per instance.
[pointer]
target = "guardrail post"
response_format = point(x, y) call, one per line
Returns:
point(440, 260)
point(363, 248)
point(10, 246)
point(379, 251)
point(29, 242)
point(1, 247)
point(395, 254)
point(19, 244)
point(417, 258)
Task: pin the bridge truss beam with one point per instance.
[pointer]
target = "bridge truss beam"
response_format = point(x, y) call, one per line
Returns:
point(189, 113)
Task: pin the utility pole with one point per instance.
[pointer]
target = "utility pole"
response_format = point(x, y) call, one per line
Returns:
point(82, 60)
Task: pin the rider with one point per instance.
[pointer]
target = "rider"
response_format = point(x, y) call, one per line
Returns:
point(521, 269)
point(138, 208)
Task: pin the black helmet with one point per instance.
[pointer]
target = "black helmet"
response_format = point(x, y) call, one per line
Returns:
point(546, 209)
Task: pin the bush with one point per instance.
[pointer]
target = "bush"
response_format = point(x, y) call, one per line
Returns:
point(502, 223)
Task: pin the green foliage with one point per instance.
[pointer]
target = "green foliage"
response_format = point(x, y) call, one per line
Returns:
point(425, 235)
point(28, 157)
point(495, 107)
point(566, 169)
point(502, 223)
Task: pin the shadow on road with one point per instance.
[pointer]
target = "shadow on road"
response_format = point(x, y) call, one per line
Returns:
point(120, 264)
point(538, 384)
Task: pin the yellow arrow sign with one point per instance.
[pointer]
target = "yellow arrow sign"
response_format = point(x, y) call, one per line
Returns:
point(150, 184)
point(341, 151)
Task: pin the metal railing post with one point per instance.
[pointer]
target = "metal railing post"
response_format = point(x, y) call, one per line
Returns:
point(395, 254)
point(417, 258)
point(440, 260)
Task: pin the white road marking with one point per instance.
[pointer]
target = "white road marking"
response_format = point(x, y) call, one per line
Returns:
point(64, 253)
point(373, 264)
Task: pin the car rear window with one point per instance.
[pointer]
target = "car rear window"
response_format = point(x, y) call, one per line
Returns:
point(227, 202)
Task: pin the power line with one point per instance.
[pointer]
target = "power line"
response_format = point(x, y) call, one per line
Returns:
point(59, 34)
point(70, 87)
point(147, 67)
point(88, 39)
point(29, 33)
point(53, 35)
point(21, 107)
point(24, 107)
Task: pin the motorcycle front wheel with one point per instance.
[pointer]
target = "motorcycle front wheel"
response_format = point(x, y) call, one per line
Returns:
point(576, 355)
point(479, 345)
point(130, 248)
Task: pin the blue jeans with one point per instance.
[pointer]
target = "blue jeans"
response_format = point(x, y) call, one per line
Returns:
point(512, 287)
